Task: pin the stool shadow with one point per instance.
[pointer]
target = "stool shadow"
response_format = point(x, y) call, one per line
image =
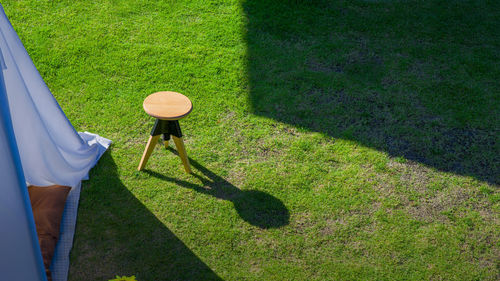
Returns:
point(255, 207)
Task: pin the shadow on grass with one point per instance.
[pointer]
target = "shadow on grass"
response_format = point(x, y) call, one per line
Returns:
point(416, 79)
point(118, 235)
point(255, 207)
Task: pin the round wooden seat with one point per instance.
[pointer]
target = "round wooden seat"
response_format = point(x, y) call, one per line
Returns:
point(167, 105)
point(167, 108)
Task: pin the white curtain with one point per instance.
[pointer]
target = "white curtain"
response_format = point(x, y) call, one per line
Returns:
point(51, 151)
point(20, 256)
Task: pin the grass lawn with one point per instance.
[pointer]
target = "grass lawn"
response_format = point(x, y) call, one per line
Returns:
point(330, 140)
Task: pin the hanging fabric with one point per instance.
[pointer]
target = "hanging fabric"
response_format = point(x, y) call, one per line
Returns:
point(51, 151)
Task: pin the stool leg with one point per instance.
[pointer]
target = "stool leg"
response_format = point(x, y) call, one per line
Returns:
point(166, 138)
point(179, 143)
point(153, 140)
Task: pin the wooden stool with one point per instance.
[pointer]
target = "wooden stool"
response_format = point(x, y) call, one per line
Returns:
point(167, 108)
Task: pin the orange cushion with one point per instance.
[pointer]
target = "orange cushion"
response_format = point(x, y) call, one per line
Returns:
point(48, 205)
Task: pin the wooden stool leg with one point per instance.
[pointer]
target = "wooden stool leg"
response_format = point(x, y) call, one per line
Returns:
point(153, 140)
point(179, 143)
point(166, 138)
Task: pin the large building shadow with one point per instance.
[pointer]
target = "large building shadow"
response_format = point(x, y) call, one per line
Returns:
point(415, 79)
point(118, 235)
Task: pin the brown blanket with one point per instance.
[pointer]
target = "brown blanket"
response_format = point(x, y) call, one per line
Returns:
point(48, 206)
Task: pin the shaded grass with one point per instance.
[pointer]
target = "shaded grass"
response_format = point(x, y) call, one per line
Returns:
point(307, 104)
point(413, 78)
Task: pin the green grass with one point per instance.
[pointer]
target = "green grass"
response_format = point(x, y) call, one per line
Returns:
point(330, 140)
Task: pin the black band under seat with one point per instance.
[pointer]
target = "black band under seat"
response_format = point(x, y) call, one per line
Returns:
point(167, 128)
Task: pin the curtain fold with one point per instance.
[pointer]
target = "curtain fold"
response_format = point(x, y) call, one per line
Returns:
point(51, 150)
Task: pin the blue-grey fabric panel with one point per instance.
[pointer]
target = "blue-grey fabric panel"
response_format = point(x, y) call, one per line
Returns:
point(60, 262)
point(20, 256)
